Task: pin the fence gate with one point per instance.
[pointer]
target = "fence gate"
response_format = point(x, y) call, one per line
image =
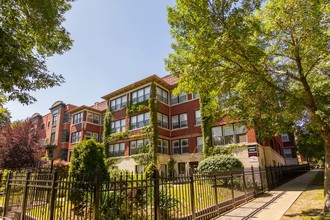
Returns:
point(27, 196)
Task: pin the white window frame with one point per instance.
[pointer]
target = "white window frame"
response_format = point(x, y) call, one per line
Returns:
point(198, 119)
point(162, 95)
point(139, 124)
point(118, 103)
point(75, 137)
point(145, 95)
point(178, 99)
point(77, 118)
point(120, 128)
point(180, 121)
point(199, 147)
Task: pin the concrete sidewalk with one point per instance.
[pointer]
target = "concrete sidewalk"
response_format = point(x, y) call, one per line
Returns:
point(273, 204)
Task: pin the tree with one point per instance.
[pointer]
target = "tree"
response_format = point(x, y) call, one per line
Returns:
point(4, 112)
point(267, 65)
point(20, 146)
point(30, 31)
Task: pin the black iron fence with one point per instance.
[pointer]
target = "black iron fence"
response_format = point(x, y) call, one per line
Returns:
point(44, 195)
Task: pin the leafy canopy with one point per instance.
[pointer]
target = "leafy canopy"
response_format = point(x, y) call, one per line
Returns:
point(266, 65)
point(20, 146)
point(30, 31)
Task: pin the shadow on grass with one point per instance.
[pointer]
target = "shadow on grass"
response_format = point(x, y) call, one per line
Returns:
point(309, 212)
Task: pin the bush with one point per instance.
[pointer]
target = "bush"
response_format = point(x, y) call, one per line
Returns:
point(61, 166)
point(219, 151)
point(149, 172)
point(87, 157)
point(219, 163)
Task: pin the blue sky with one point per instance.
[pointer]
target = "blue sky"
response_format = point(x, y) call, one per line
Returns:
point(116, 42)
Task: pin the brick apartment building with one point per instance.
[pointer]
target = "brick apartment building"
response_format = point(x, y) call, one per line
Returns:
point(176, 129)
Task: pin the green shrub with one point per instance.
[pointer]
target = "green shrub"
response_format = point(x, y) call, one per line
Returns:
point(219, 163)
point(149, 172)
point(87, 157)
point(214, 151)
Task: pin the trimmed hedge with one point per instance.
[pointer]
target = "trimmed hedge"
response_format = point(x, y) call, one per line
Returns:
point(219, 163)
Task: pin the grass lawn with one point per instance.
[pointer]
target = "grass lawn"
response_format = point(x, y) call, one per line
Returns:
point(309, 204)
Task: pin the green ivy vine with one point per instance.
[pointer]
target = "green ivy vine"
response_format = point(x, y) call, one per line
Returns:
point(132, 109)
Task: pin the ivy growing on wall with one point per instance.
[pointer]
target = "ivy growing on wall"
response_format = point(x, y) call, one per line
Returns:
point(148, 153)
point(108, 118)
point(132, 109)
point(153, 133)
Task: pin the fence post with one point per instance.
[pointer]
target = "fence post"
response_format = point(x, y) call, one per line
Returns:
point(192, 195)
point(25, 196)
point(96, 202)
point(156, 195)
point(244, 185)
point(261, 180)
point(271, 176)
point(8, 186)
point(53, 195)
point(254, 181)
point(216, 193)
point(232, 187)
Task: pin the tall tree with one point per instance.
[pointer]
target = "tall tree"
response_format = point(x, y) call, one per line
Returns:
point(20, 145)
point(30, 31)
point(268, 65)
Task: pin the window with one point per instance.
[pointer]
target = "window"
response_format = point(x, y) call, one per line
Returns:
point(162, 95)
point(52, 138)
point(140, 95)
point(77, 118)
point(90, 135)
point(199, 144)
point(66, 117)
point(42, 126)
point(116, 150)
point(48, 124)
point(64, 154)
point(162, 120)
point(180, 146)
point(287, 153)
point(182, 168)
point(285, 137)
point(229, 134)
point(93, 118)
point(118, 126)
point(65, 136)
point(179, 121)
point(139, 169)
point(54, 120)
point(195, 96)
point(75, 137)
point(178, 99)
point(197, 117)
point(118, 103)
point(139, 121)
point(184, 146)
point(162, 146)
point(240, 133)
point(136, 147)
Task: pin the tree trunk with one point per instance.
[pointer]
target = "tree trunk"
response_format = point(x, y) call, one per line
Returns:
point(326, 138)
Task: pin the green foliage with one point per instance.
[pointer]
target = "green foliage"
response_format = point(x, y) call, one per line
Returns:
point(117, 136)
point(224, 150)
point(153, 135)
point(143, 158)
point(30, 32)
point(3, 180)
point(136, 108)
point(167, 203)
point(171, 163)
point(219, 163)
point(87, 158)
point(108, 118)
point(149, 171)
point(113, 206)
point(219, 151)
point(110, 161)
